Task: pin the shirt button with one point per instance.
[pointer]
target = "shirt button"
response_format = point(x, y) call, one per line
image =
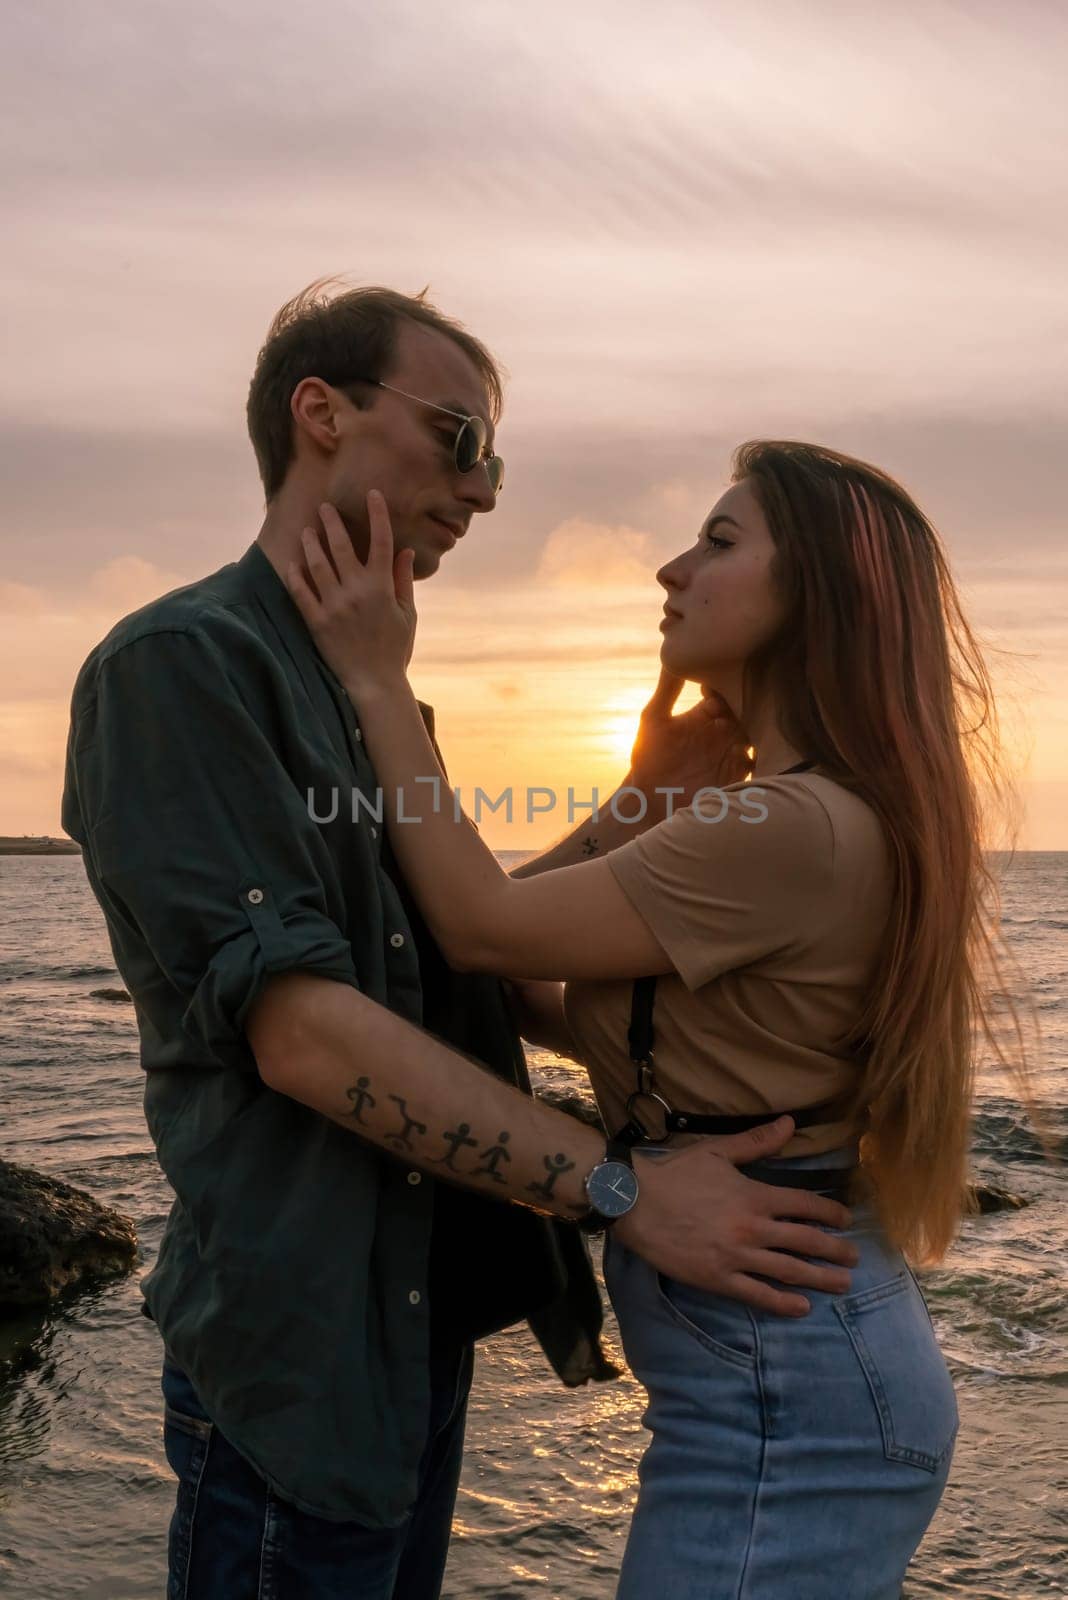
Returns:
point(415, 1177)
point(374, 832)
point(414, 1297)
point(357, 734)
point(255, 896)
point(396, 940)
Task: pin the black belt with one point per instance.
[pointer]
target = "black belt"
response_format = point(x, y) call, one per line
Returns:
point(835, 1181)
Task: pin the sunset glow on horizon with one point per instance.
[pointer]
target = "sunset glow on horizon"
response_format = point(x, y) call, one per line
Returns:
point(676, 235)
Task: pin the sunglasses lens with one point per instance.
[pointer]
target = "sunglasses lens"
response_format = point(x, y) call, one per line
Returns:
point(470, 442)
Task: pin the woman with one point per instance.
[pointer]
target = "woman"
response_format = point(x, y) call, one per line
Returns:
point(819, 934)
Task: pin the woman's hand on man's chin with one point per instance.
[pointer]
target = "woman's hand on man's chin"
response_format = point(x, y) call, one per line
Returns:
point(361, 614)
point(704, 747)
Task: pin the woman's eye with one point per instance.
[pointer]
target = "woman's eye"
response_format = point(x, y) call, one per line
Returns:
point(718, 544)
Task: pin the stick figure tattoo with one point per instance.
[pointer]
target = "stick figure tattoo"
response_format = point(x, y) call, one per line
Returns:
point(589, 845)
point(360, 1097)
point(494, 1154)
point(554, 1166)
point(455, 1139)
point(402, 1140)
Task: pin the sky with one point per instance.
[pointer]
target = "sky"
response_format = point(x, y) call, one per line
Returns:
point(677, 227)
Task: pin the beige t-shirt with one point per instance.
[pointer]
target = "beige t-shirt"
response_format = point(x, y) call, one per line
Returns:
point(773, 918)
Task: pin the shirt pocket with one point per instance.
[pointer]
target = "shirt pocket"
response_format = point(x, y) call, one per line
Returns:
point(891, 1334)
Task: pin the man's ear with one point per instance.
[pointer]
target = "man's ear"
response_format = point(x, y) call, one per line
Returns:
point(316, 408)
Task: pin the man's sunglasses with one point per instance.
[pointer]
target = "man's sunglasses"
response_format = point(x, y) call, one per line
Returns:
point(469, 447)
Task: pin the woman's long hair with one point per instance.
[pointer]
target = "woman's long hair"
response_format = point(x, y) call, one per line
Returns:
point(877, 676)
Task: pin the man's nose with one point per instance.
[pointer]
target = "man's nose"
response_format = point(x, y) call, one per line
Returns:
point(474, 489)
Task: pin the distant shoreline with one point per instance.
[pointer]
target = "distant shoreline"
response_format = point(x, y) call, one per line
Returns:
point(31, 845)
point(34, 845)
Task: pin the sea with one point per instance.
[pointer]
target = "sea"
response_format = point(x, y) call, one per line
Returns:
point(549, 1476)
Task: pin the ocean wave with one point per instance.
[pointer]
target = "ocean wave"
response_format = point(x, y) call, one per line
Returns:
point(28, 969)
point(975, 1367)
point(1001, 1130)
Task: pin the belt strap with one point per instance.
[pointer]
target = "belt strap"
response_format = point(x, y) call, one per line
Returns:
point(634, 1131)
point(835, 1181)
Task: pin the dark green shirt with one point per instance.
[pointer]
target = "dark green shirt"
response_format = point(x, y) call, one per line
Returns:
point(293, 1277)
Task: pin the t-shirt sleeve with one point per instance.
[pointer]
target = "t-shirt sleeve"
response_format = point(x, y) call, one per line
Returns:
point(198, 835)
point(741, 878)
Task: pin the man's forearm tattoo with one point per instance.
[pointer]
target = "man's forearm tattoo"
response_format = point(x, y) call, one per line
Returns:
point(554, 1167)
point(491, 1157)
point(456, 1138)
point(494, 1155)
point(360, 1097)
point(402, 1140)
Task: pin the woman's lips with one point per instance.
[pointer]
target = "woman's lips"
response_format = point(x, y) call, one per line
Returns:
point(669, 617)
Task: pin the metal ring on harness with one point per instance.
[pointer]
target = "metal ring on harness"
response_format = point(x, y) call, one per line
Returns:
point(648, 1094)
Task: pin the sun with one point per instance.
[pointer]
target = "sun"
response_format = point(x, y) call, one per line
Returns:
point(619, 727)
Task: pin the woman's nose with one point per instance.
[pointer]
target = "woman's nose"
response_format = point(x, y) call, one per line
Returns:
point(672, 575)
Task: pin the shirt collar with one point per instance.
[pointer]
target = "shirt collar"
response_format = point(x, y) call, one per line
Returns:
point(259, 577)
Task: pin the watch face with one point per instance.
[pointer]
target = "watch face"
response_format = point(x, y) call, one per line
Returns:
point(612, 1188)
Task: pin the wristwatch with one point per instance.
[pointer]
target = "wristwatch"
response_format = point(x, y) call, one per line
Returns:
point(611, 1188)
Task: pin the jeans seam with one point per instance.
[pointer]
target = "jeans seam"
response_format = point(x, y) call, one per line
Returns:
point(764, 1430)
point(264, 1586)
point(193, 1517)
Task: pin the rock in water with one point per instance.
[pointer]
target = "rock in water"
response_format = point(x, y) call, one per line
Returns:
point(54, 1237)
point(578, 1105)
point(987, 1197)
point(110, 994)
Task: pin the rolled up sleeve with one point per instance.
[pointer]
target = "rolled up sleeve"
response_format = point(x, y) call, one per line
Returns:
point(199, 836)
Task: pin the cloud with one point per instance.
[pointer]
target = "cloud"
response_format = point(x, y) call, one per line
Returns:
point(582, 111)
point(45, 641)
point(682, 229)
point(125, 584)
point(20, 600)
point(595, 557)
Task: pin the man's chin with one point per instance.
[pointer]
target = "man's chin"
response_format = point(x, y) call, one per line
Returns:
point(426, 564)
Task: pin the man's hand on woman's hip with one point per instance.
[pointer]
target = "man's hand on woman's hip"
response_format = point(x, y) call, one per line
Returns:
point(699, 1220)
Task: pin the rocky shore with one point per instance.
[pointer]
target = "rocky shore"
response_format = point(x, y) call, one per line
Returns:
point(54, 1239)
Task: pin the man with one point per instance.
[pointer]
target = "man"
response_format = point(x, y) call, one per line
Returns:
point(318, 1293)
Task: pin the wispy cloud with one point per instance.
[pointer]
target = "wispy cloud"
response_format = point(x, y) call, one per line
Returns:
point(679, 228)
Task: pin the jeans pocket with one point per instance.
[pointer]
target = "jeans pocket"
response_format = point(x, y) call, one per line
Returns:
point(724, 1327)
point(181, 1408)
point(891, 1333)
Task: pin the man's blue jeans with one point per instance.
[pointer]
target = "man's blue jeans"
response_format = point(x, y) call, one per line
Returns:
point(232, 1538)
